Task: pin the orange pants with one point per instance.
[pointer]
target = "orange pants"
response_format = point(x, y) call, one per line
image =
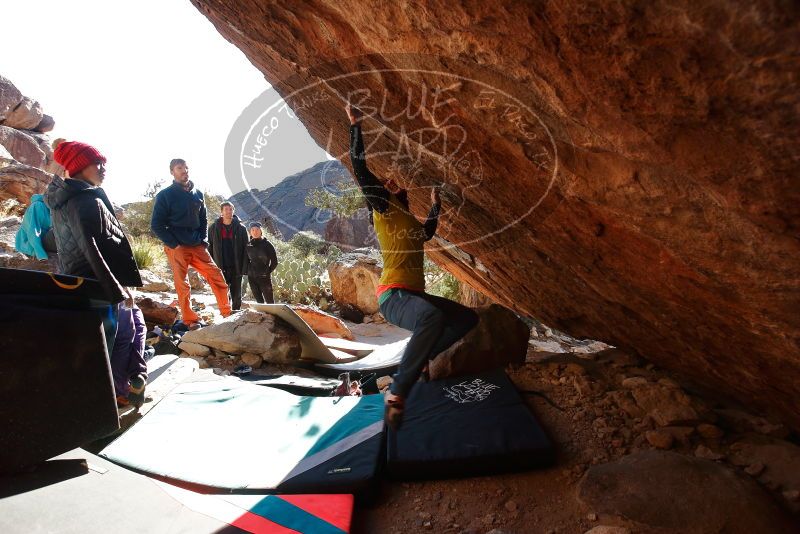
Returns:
point(180, 259)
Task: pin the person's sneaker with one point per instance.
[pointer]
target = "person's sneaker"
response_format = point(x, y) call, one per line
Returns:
point(136, 393)
point(196, 325)
point(122, 402)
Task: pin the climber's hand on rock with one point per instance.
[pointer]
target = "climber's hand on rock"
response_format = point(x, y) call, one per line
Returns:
point(353, 113)
point(435, 197)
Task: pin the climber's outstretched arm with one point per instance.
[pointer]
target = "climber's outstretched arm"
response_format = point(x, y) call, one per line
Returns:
point(377, 196)
point(433, 216)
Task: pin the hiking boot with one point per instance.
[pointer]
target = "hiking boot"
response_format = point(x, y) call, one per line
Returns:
point(136, 393)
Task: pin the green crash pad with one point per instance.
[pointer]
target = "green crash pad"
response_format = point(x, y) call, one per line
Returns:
point(224, 433)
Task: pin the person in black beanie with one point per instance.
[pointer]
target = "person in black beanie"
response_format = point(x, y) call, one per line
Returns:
point(262, 261)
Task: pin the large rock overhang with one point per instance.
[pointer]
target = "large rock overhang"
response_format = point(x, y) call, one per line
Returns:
point(631, 170)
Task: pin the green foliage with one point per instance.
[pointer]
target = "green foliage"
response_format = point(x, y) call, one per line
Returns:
point(307, 242)
point(137, 218)
point(345, 202)
point(440, 282)
point(212, 205)
point(147, 251)
point(301, 277)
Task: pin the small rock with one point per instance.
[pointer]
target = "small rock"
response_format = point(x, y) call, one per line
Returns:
point(634, 382)
point(425, 516)
point(659, 439)
point(383, 382)
point(194, 349)
point(709, 431)
point(592, 517)
point(488, 519)
point(754, 469)
point(511, 506)
point(707, 454)
point(668, 382)
point(607, 529)
point(253, 360)
point(792, 495)
point(745, 422)
point(427, 525)
point(680, 433)
point(666, 405)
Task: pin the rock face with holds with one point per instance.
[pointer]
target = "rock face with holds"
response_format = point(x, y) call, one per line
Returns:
point(249, 332)
point(622, 172)
point(26, 157)
point(354, 279)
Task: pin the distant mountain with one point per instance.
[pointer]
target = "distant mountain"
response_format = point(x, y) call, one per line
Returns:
point(284, 204)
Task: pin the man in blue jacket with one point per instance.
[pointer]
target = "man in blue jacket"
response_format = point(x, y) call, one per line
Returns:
point(180, 221)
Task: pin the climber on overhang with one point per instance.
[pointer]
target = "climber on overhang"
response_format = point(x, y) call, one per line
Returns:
point(436, 322)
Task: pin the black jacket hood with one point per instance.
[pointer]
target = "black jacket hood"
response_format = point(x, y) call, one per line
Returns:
point(60, 191)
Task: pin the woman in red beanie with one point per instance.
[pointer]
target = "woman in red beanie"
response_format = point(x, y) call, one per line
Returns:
point(92, 244)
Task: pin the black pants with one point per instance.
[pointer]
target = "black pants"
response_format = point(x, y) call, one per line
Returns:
point(261, 286)
point(435, 322)
point(234, 282)
point(49, 241)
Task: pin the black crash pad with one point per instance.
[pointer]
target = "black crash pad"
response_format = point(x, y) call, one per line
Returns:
point(466, 426)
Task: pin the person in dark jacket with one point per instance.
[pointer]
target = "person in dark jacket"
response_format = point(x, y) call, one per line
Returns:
point(180, 222)
point(262, 260)
point(227, 239)
point(92, 244)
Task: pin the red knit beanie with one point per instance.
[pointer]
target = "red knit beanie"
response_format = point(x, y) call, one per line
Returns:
point(75, 156)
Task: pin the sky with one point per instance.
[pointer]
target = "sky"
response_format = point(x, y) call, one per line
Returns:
point(144, 82)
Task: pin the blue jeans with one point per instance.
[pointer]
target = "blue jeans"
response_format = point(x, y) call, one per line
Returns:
point(435, 323)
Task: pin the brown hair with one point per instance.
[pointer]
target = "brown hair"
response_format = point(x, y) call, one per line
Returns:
point(176, 161)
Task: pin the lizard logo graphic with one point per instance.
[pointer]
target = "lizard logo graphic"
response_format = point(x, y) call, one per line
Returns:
point(470, 391)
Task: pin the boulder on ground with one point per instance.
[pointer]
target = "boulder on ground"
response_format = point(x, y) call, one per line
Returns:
point(157, 313)
point(323, 324)
point(774, 461)
point(253, 360)
point(152, 282)
point(354, 279)
point(667, 405)
point(660, 489)
point(499, 338)
point(250, 331)
point(194, 349)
